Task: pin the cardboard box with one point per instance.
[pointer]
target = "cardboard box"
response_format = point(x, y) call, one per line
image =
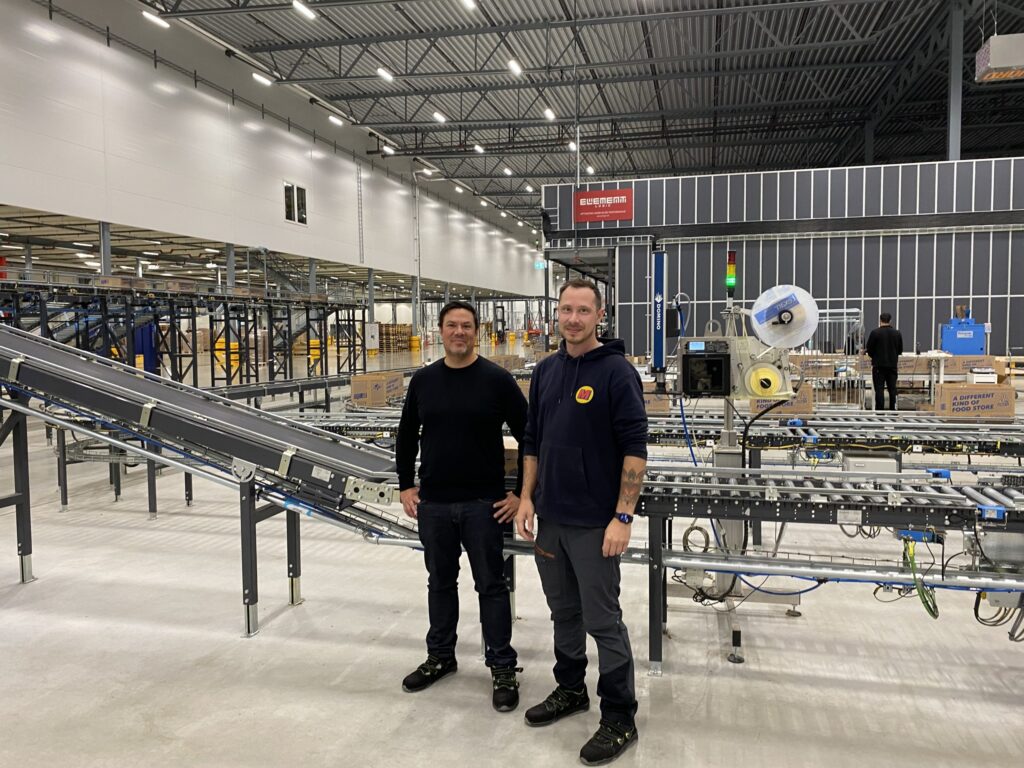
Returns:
point(961, 365)
point(394, 382)
point(509, 362)
point(524, 387)
point(980, 402)
point(800, 405)
point(511, 455)
point(369, 390)
point(657, 405)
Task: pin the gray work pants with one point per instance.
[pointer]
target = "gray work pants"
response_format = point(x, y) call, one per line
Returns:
point(582, 590)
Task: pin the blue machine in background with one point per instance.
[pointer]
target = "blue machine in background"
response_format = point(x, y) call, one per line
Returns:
point(963, 335)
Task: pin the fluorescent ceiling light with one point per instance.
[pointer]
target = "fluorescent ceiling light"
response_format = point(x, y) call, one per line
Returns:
point(385, 74)
point(478, 148)
point(83, 245)
point(335, 119)
point(428, 171)
point(529, 188)
point(533, 231)
point(508, 171)
point(439, 117)
point(84, 255)
point(211, 250)
point(514, 67)
point(572, 146)
point(549, 113)
point(152, 266)
point(156, 242)
point(388, 150)
point(156, 19)
point(458, 189)
point(519, 223)
point(150, 253)
point(470, 4)
point(304, 9)
point(259, 77)
point(12, 247)
point(483, 203)
point(590, 170)
point(91, 263)
point(504, 215)
point(210, 265)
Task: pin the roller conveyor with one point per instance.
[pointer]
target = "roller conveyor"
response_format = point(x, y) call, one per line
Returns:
point(907, 499)
point(850, 430)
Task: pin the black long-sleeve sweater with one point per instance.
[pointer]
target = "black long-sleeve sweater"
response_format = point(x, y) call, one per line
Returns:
point(461, 412)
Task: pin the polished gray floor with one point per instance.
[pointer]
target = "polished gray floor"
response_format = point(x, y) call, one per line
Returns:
point(127, 651)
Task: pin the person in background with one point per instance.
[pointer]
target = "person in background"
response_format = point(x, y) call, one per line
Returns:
point(585, 455)
point(884, 346)
point(461, 402)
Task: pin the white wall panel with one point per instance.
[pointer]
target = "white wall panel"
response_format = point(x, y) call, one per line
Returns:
point(100, 133)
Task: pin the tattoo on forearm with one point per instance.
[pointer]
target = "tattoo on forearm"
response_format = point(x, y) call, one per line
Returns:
point(630, 486)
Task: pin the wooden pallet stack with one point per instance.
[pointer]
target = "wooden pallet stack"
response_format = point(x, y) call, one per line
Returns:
point(394, 337)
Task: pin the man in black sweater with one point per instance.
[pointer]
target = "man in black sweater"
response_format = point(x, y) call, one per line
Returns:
point(884, 346)
point(585, 455)
point(461, 402)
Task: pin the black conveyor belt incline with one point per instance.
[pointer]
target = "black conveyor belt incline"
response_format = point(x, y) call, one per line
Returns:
point(202, 426)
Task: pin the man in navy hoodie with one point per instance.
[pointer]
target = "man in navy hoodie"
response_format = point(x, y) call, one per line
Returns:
point(584, 458)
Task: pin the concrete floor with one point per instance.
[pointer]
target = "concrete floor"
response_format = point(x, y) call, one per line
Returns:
point(127, 650)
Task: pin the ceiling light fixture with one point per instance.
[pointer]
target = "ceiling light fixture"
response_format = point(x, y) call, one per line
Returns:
point(156, 19)
point(385, 74)
point(335, 119)
point(439, 117)
point(458, 189)
point(470, 4)
point(478, 149)
point(572, 146)
point(211, 250)
point(508, 171)
point(387, 150)
point(156, 242)
point(262, 79)
point(549, 113)
point(533, 231)
point(83, 245)
point(504, 215)
point(91, 263)
point(514, 67)
point(529, 188)
point(483, 203)
point(84, 255)
point(590, 170)
point(304, 9)
point(150, 253)
point(18, 248)
point(210, 265)
point(519, 223)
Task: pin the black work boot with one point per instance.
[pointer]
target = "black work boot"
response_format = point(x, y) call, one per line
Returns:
point(506, 688)
point(560, 703)
point(610, 741)
point(428, 673)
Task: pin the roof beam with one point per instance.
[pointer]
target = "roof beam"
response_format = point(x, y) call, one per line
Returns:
point(551, 24)
point(603, 81)
point(801, 106)
point(225, 10)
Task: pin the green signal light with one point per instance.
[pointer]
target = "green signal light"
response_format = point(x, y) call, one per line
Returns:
point(730, 282)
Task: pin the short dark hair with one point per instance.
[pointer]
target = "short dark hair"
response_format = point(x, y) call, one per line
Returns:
point(885, 317)
point(578, 282)
point(458, 305)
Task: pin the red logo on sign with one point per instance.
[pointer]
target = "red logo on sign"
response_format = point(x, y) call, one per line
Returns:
point(604, 205)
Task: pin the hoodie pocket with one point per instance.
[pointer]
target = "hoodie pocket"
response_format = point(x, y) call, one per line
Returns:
point(563, 478)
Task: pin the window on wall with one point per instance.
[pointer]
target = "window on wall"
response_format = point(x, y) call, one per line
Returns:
point(294, 203)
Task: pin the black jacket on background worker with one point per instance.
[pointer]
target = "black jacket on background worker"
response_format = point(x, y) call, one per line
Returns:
point(884, 346)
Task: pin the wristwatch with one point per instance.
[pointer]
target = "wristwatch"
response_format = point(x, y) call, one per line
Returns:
point(622, 517)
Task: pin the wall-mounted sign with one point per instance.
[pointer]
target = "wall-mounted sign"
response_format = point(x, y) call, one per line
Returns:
point(603, 205)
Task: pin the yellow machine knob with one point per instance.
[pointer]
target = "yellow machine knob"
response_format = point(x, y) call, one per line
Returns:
point(764, 381)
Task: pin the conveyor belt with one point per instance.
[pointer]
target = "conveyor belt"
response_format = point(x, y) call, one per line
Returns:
point(324, 472)
point(909, 499)
point(851, 430)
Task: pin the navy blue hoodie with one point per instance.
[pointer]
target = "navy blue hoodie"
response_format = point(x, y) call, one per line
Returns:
point(586, 414)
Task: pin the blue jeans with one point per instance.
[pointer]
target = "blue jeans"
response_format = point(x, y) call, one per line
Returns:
point(445, 528)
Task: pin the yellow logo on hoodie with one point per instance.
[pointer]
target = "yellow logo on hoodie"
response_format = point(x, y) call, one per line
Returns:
point(584, 395)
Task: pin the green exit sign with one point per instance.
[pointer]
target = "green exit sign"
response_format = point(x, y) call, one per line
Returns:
point(539, 264)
